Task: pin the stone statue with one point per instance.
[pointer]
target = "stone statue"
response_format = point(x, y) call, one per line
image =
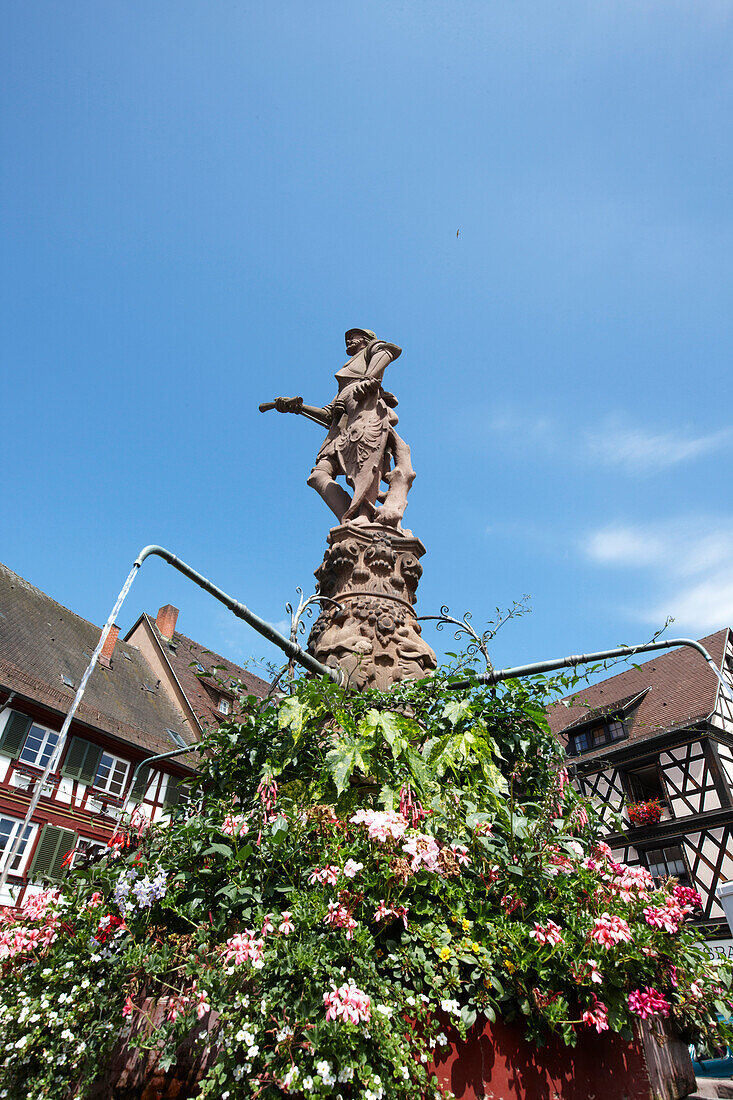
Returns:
point(362, 444)
point(371, 567)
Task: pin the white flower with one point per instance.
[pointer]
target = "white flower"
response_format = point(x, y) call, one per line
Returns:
point(452, 1007)
point(441, 1038)
point(308, 1084)
point(346, 1074)
point(384, 1009)
point(577, 849)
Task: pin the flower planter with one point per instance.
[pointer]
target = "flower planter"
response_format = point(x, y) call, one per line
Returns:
point(645, 813)
point(495, 1061)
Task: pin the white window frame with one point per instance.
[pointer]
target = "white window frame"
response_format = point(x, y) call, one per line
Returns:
point(38, 762)
point(21, 857)
point(224, 705)
point(85, 844)
point(104, 786)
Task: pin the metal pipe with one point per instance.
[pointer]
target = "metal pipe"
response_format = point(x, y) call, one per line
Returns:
point(144, 763)
point(293, 650)
point(496, 675)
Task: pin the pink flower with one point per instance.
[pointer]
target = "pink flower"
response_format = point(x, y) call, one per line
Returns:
point(648, 1002)
point(324, 875)
point(235, 824)
point(383, 913)
point(339, 917)
point(128, 1008)
point(597, 1015)
point(203, 1005)
point(267, 926)
point(348, 1004)
point(669, 916)
point(548, 933)
point(243, 947)
point(95, 900)
point(381, 825)
point(609, 930)
point(287, 925)
point(687, 897)
point(460, 851)
point(410, 808)
point(424, 851)
point(351, 868)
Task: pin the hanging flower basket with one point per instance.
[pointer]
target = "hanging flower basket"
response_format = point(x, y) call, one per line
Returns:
point(645, 813)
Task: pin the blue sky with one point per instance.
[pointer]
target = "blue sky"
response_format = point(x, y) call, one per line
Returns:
point(197, 200)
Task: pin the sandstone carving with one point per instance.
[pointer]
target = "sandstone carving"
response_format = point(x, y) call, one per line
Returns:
point(371, 567)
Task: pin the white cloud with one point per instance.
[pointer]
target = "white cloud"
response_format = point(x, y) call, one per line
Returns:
point(644, 451)
point(690, 560)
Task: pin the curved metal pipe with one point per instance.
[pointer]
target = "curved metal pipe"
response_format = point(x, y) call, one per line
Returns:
point(293, 650)
point(496, 675)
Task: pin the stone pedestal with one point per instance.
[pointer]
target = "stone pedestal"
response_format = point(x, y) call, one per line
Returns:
point(372, 571)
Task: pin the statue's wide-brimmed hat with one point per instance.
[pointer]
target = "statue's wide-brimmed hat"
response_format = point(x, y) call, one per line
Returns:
point(360, 332)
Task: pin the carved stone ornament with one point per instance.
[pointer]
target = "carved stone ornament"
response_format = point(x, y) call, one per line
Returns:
point(374, 635)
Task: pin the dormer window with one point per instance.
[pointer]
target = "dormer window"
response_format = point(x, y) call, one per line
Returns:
point(605, 733)
point(225, 705)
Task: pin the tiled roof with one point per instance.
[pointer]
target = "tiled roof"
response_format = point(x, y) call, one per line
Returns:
point(41, 642)
point(183, 657)
point(681, 691)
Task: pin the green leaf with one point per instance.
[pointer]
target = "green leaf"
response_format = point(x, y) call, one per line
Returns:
point(346, 758)
point(292, 716)
point(220, 850)
point(455, 709)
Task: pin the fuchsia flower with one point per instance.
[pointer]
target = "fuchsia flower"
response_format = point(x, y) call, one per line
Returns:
point(410, 808)
point(597, 1015)
point(648, 1002)
point(348, 1004)
point(609, 930)
point(128, 1007)
point(548, 933)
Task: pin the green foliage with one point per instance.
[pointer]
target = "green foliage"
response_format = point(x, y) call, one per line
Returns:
point(414, 848)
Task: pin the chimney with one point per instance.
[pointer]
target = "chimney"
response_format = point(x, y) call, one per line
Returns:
point(105, 657)
point(166, 621)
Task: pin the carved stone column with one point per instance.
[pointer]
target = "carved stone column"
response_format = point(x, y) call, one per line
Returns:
point(372, 571)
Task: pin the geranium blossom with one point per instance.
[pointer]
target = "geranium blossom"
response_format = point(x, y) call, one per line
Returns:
point(687, 897)
point(669, 916)
point(460, 851)
point(339, 917)
point(243, 947)
point(648, 1002)
point(383, 912)
point(286, 926)
point(381, 825)
point(324, 875)
point(609, 930)
point(597, 1015)
point(351, 868)
point(347, 1003)
point(235, 824)
point(547, 933)
point(424, 852)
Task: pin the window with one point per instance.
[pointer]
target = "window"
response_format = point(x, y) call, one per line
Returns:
point(176, 738)
point(38, 746)
point(200, 668)
point(111, 774)
point(663, 862)
point(606, 734)
point(644, 784)
point(51, 852)
point(88, 852)
point(67, 680)
point(9, 829)
point(224, 705)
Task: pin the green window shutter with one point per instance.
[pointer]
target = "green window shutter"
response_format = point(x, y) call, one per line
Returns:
point(81, 761)
point(50, 852)
point(140, 785)
point(14, 734)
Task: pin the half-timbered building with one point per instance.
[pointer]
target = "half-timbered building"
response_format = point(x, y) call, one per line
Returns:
point(131, 711)
point(653, 748)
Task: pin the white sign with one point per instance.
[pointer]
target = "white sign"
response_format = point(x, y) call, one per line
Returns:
point(720, 948)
